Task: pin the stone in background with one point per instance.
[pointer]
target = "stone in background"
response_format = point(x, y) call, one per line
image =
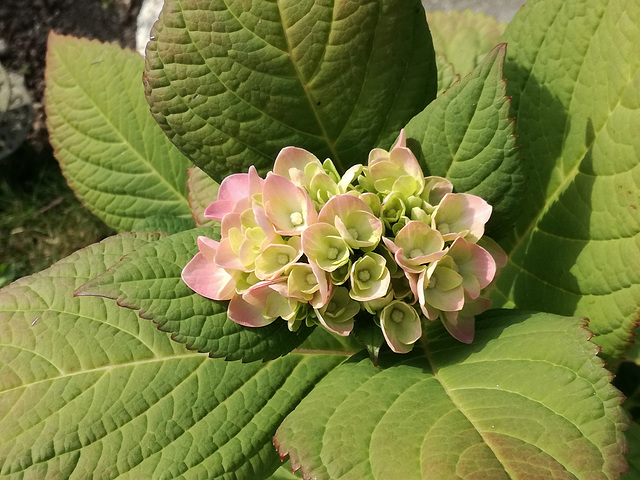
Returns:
point(502, 10)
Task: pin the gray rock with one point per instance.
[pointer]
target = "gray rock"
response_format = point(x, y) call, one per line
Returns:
point(146, 18)
point(503, 10)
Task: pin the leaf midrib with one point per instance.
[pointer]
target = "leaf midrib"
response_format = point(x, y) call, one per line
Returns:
point(572, 174)
point(172, 189)
point(105, 368)
point(305, 87)
point(435, 370)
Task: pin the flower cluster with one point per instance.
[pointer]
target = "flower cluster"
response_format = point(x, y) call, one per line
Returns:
point(306, 245)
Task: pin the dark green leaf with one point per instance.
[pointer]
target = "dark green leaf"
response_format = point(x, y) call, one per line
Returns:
point(149, 280)
point(231, 83)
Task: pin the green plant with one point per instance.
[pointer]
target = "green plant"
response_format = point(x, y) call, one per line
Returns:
point(90, 388)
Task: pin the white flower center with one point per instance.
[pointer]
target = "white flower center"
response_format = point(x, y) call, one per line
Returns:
point(311, 279)
point(416, 252)
point(354, 233)
point(296, 219)
point(283, 259)
point(364, 275)
point(332, 253)
point(397, 315)
point(444, 228)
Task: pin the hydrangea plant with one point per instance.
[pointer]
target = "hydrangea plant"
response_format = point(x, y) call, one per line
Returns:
point(307, 246)
point(388, 262)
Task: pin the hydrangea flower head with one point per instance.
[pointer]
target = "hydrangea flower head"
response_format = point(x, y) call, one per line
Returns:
point(383, 243)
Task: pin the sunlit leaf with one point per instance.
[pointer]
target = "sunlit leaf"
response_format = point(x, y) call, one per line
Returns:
point(112, 152)
point(528, 399)
point(89, 389)
point(573, 69)
point(231, 83)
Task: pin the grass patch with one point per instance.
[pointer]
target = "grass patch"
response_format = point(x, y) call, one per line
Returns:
point(41, 221)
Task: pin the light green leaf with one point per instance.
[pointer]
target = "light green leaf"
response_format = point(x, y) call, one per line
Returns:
point(163, 223)
point(466, 135)
point(284, 473)
point(149, 280)
point(463, 38)
point(528, 399)
point(231, 83)
point(447, 76)
point(203, 191)
point(88, 388)
point(114, 156)
point(573, 70)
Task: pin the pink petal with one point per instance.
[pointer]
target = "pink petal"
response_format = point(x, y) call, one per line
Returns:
point(208, 247)
point(473, 262)
point(460, 327)
point(281, 197)
point(245, 314)
point(339, 328)
point(294, 158)
point(227, 258)
point(323, 295)
point(232, 189)
point(402, 140)
point(207, 279)
point(495, 251)
point(405, 157)
point(391, 246)
point(341, 206)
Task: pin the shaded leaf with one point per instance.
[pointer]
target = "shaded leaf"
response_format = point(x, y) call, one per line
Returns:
point(633, 436)
point(88, 388)
point(149, 280)
point(233, 83)
point(529, 398)
point(633, 354)
point(466, 135)
point(114, 156)
point(575, 249)
point(447, 76)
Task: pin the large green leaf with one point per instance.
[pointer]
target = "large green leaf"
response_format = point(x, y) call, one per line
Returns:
point(87, 389)
point(528, 399)
point(114, 156)
point(231, 83)
point(463, 38)
point(149, 280)
point(573, 70)
point(466, 135)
